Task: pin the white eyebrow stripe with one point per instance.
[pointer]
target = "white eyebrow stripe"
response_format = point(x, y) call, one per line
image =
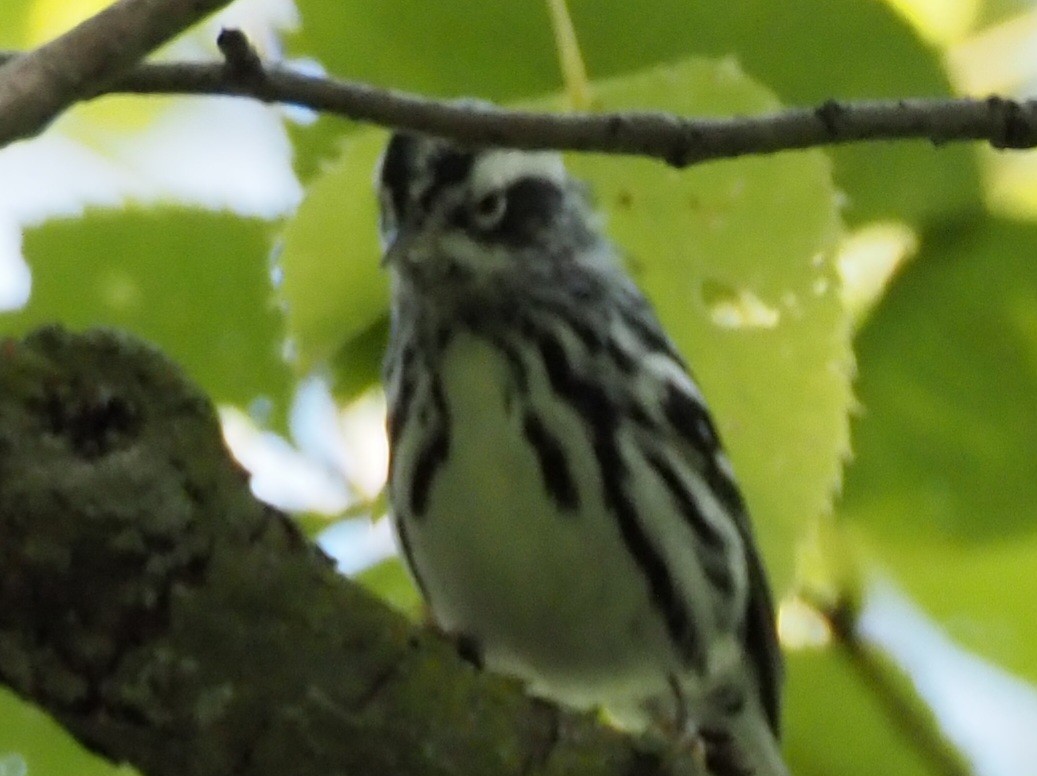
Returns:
point(499, 168)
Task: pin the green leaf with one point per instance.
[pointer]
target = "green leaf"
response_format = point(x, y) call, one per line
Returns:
point(997, 11)
point(496, 50)
point(13, 18)
point(739, 240)
point(195, 284)
point(948, 385)
point(332, 286)
point(942, 491)
point(746, 288)
point(982, 595)
point(357, 365)
point(390, 580)
point(834, 724)
point(46, 748)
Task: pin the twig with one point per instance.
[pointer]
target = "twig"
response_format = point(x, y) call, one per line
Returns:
point(905, 710)
point(241, 60)
point(37, 86)
point(1002, 122)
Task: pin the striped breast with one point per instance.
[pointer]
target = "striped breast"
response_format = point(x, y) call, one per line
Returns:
point(549, 515)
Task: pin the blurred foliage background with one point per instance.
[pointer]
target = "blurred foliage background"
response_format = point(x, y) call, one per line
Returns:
point(863, 319)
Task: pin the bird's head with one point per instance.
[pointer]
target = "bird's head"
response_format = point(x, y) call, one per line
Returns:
point(463, 218)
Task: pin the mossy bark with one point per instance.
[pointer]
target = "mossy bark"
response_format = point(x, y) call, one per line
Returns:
point(170, 620)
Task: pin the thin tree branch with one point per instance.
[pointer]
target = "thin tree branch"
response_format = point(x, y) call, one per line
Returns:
point(167, 619)
point(906, 711)
point(1002, 122)
point(37, 86)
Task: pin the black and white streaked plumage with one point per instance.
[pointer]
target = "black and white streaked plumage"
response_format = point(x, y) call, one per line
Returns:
point(557, 484)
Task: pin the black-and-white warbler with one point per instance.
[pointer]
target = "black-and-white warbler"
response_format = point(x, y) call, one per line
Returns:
point(557, 484)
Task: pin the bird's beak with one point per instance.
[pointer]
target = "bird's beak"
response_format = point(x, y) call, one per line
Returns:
point(399, 245)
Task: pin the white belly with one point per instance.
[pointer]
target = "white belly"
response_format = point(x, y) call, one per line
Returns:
point(549, 594)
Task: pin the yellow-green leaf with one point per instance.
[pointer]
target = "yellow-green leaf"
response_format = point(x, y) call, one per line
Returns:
point(737, 257)
point(29, 737)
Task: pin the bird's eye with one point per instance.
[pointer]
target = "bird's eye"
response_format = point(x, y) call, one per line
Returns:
point(489, 209)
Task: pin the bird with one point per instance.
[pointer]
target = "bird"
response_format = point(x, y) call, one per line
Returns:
point(557, 485)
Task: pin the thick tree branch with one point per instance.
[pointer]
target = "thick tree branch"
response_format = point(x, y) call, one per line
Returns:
point(170, 620)
point(679, 141)
point(37, 86)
